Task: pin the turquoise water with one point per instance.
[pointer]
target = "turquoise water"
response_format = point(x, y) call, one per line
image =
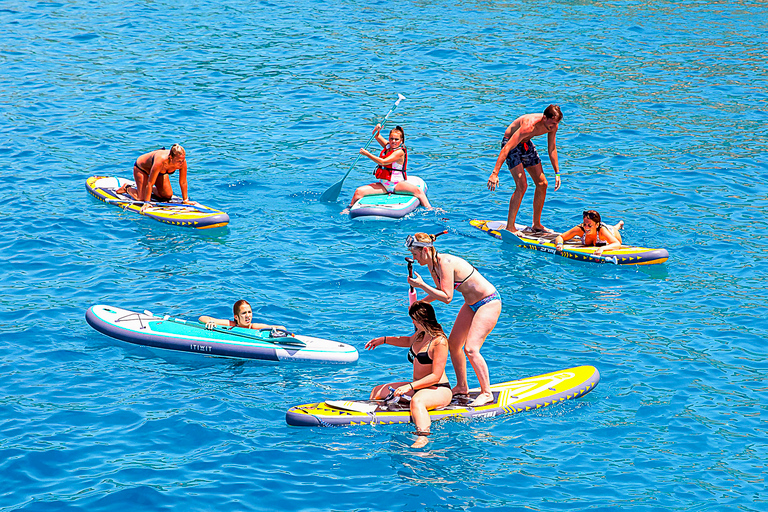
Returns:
point(665, 115)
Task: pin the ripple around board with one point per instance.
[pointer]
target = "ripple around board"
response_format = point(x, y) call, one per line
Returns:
point(662, 130)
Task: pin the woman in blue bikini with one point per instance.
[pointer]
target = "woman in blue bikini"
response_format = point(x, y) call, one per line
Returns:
point(476, 318)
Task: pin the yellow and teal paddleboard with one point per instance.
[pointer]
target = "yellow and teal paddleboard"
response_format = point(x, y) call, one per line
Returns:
point(104, 188)
point(544, 242)
point(508, 398)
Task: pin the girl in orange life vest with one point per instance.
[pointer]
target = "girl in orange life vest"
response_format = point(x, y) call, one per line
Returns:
point(392, 167)
point(592, 231)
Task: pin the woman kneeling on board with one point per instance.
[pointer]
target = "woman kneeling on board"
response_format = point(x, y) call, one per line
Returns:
point(593, 232)
point(152, 171)
point(476, 318)
point(243, 317)
point(428, 352)
point(391, 170)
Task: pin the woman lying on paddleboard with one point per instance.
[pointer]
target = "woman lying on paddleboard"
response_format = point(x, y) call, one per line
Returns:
point(152, 171)
point(428, 352)
point(593, 232)
point(243, 316)
point(391, 170)
point(476, 318)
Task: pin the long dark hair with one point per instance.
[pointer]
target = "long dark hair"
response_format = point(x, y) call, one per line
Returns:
point(424, 313)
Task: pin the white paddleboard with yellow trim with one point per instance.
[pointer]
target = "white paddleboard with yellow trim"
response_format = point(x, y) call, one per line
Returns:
point(508, 398)
point(573, 249)
point(104, 188)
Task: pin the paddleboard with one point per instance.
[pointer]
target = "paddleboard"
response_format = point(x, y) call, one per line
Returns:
point(387, 206)
point(509, 398)
point(573, 249)
point(172, 212)
point(187, 336)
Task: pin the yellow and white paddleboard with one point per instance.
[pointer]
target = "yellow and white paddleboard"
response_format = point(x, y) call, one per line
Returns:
point(509, 398)
point(544, 242)
point(104, 188)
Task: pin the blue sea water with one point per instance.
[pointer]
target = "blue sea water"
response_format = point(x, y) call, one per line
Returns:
point(665, 114)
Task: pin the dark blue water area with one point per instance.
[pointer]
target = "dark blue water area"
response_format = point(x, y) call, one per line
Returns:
point(664, 128)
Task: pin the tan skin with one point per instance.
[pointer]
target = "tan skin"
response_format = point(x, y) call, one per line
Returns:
point(243, 319)
point(158, 181)
point(397, 156)
point(425, 396)
point(470, 329)
point(523, 129)
point(613, 237)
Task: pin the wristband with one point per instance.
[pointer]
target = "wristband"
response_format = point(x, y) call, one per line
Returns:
point(411, 384)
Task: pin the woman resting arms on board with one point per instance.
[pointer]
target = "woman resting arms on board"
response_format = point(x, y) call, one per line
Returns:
point(477, 316)
point(243, 317)
point(428, 352)
point(152, 171)
point(593, 232)
point(391, 170)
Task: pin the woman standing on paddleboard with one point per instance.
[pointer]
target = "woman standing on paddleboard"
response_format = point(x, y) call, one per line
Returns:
point(428, 352)
point(477, 316)
point(392, 164)
point(152, 171)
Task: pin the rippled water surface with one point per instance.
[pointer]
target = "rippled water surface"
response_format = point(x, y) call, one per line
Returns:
point(665, 115)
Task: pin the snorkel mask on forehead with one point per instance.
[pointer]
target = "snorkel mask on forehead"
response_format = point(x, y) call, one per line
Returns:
point(412, 242)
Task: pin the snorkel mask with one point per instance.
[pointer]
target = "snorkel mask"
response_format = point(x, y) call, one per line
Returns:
point(412, 242)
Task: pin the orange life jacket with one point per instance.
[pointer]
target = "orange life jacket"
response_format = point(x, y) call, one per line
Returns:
point(385, 173)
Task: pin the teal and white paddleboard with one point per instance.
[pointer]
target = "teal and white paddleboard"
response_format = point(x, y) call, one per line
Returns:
point(387, 206)
point(181, 335)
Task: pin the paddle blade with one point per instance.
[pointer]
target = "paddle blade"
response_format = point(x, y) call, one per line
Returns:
point(509, 237)
point(332, 194)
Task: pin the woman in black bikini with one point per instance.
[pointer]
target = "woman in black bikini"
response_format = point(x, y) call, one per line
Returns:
point(152, 171)
point(428, 352)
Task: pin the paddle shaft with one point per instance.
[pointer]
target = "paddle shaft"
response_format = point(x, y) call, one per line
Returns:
point(509, 237)
point(332, 194)
point(155, 204)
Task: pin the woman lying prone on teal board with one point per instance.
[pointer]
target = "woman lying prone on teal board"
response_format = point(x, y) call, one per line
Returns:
point(243, 318)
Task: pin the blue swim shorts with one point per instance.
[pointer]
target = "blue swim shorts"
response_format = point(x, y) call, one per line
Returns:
point(524, 153)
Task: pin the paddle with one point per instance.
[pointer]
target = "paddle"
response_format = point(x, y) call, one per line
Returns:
point(332, 194)
point(511, 238)
point(156, 204)
point(276, 336)
point(367, 407)
point(412, 297)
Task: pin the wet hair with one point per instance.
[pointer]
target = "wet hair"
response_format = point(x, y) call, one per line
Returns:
point(425, 238)
point(176, 150)
point(238, 305)
point(402, 133)
point(553, 112)
point(593, 216)
point(424, 313)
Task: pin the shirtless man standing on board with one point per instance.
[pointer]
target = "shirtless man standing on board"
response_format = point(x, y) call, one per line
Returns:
point(520, 155)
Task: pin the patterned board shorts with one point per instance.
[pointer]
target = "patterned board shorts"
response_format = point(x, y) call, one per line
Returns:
point(524, 153)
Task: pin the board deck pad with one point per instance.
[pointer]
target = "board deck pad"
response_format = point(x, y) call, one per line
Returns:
point(573, 249)
point(509, 398)
point(104, 188)
point(387, 206)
